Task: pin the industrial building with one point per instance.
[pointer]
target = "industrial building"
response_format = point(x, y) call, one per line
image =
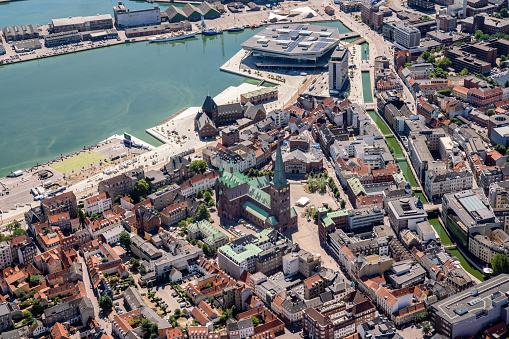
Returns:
point(143, 17)
point(338, 69)
point(82, 23)
point(17, 33)
point(293, 45)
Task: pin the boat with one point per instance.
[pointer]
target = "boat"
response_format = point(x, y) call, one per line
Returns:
point(172, 37)
point(208, 30)
point(211, 31)
point(235, 28)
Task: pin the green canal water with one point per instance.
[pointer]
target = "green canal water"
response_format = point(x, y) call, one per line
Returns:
point(379, 122)
point(58, 105)
point(409, 176)
point(394, 146)
point(365, 51)
point(367, 91)
point(421, 195)
point(441, 232)
point(464, 263)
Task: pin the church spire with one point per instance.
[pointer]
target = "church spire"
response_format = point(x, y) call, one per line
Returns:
point(279, 169)
point(231, 166)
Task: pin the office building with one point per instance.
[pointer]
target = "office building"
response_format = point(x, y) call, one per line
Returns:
point(465, 314)
point(406, 36)
point(440, 182)
point(82, 24)
point(338, 68)
point(406, 213)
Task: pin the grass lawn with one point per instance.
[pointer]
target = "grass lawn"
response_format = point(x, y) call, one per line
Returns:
point(77, 162)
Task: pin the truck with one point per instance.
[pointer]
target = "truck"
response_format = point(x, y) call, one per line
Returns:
point(16, 174)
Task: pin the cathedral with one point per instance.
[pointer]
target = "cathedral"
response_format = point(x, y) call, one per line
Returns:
point(261, 201)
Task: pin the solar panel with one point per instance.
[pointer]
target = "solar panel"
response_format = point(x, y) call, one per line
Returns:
point(299, 27)
point(318, 46)
point(284, 37)
point(326, 40)
point(292, 45)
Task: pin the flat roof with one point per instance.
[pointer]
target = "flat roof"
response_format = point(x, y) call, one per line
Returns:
point(294, 40)
point(80, 19)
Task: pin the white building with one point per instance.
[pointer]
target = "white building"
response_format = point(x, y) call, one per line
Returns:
point(199, 182)
point(407, 36)
point(144, 17)
point(281, 117)
point(290, 264)
point(338, 68)
point(98, 203)
point(440, 182)
point(5, 255)
point(112, 236)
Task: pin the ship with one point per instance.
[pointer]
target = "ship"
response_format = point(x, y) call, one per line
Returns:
point(211, 31)
point(172, 37)
point(208, 30)
point(235, 28)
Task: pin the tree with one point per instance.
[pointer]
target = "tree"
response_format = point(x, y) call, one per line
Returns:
point(134, 262)
point(464, 72)
point(211, 203)
point(425, 18)
point(431, 59)
point(206, 249)
point(105, 303)
point(34, 280)
point(444, 63)
point(19, 231)
point(255, 320)
point(202, 213)
point(343, 204)
point(94, 216)
point(209, 189)
point(408, 64)
point(199, 166)
point(13, 226)
point(211, 300)
point(143, 271)
point(426, 328)
point(125, 240)
point(504, 13)
point(37, 307)
point(27, 315)
point(81, 216)
point(506, 84)
point(141, 189)
point(207, 196)
point(103, 260)
point(478, 34)
point(199, 194)
point(490, 112)
point(117, 199)
point(500, 263)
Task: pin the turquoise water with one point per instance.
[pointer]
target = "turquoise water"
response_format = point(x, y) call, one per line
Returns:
point(41, 12)
point(58, 105)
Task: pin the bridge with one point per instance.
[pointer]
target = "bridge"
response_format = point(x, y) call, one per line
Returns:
point(356, 42)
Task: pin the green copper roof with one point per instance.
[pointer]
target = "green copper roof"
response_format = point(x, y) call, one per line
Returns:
point(337, 214)
point(327, 221)
point(250, 250)
point(260, 182)
point(356, 186)
point(279, 169)
point(322, 209)
point(273, 220)
point(293, 213)
point(232, 180)
point(260, 196)
point(256, 211)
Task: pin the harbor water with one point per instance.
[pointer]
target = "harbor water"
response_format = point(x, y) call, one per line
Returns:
point(58, 105)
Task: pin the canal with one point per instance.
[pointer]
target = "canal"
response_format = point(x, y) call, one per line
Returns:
point(466, 265)
point(444, 237)
point(379, 122)
point(420, 195)
point(367, 91)
point(365, 51)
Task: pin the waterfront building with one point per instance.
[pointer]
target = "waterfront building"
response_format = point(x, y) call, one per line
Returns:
point(294, 45)
point(264, 203)
point(440, 182)
point(462, 315)
point(62, 38)
point(82, 24)
point(467, 212)
point(406, 213)
point(125, 18)
point(17, 33)
point(338, 68)
point(65, 202)
point(259, 96)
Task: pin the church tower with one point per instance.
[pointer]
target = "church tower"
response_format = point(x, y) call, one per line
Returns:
point(280, 193)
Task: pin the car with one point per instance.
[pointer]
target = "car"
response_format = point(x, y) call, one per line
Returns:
point(174, 294)
point(183, 304)
point(180, 300)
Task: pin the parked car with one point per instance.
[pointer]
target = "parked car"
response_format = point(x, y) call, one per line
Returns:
point(174, 294)
point(182, 305)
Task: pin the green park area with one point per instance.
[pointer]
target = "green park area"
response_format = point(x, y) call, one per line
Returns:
point(77, 162)
point(421, 195)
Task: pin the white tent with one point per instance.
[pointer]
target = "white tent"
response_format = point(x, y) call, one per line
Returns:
point(302, 201)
